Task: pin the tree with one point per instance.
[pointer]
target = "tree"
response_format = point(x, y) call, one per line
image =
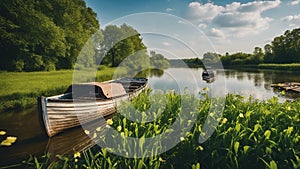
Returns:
point(268, 57)
point(158, 61)
point(257, 55)
point(119, 43)
point(43, 34)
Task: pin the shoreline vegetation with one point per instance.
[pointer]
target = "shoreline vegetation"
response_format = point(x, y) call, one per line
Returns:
point(17, 95)
point(251, 134)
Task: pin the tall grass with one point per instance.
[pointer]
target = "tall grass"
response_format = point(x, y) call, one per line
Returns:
point(21, 89)
point(251, 134)
point(288, 67)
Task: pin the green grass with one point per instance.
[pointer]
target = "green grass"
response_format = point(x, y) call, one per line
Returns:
point(251, 134)
point(21, 89)
point(288, 67)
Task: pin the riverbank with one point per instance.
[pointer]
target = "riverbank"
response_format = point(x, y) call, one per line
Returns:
point(21, 89)
point(281, 67)
point(250, 134)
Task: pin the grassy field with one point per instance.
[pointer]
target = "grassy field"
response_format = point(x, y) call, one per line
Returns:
point(287, 67)
point(251, 134)
point(21, 89)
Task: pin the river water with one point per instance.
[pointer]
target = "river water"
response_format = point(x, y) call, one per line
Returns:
point(31, 138)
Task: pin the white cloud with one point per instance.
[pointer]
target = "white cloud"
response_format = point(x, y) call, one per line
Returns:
point(246, 15)
point(294, 2)
point(169, 10)
point(166, 44)
point(202, 26)
point(202, 12)
point(216, 33)
point(292, 19)
point(236, 18)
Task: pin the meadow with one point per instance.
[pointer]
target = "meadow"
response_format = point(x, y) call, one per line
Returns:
point(21, 89)
point(287, 67)
point(250, 134)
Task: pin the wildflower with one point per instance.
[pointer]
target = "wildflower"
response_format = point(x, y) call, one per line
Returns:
point(200, 148)
point(98, 129)
point(87, 132)
point(2, 133)
point(241, 115)
point(77, 154)
point(76, 160)
point(119, 128)
point(109, 122)
point(181, 138)
point(122, 134)
point(162, 160)
point(224, 120)
point(94, 135)
point(205, 89)
point(288, 108)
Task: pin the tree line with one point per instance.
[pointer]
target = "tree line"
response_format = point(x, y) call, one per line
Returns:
point(44, 35)
point(283, 49)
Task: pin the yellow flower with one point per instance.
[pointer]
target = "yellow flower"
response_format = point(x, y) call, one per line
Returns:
point(119, 128)
point(200, 148)
point(109, 122)
point(241, 115)
point(76, 160)
point(288, 108)
point(77, 154)
point(87, 132)
point(162, 160)
point(205, 89)
point(181, 138)
point(2, 133)
point(98, 129)
point(122, 134)
point(224, 120)
point(94, 135)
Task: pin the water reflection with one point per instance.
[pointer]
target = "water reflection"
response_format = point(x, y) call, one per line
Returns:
point(264, 79)
point(33, 141)
point(256, 83)
point(149, 73)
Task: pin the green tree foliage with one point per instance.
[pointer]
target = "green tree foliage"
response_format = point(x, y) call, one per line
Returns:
point(43, 34)
point(119, 43)
point(158, 61)
point(258, 55)
point(286, 48)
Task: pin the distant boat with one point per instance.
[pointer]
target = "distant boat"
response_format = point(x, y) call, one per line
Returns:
point(207, 74)
point(85, 102)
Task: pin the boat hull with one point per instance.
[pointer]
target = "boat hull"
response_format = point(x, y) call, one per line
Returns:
point(57, 115)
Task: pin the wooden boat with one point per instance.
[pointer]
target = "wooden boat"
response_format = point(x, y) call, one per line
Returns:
point(85, 102)
point(208, 74)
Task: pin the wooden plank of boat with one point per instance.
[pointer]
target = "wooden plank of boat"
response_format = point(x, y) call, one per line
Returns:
point(58, 113)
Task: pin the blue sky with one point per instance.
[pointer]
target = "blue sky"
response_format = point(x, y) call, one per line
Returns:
point(186, 28)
